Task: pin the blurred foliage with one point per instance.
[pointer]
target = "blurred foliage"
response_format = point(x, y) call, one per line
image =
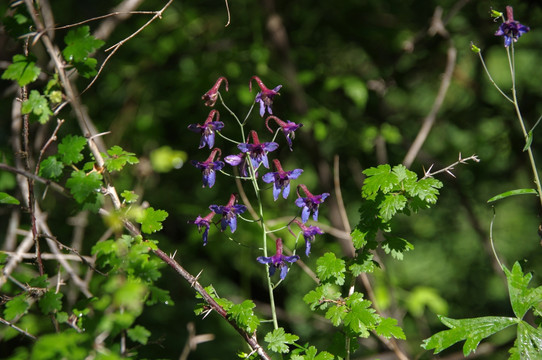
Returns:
point(360, 76)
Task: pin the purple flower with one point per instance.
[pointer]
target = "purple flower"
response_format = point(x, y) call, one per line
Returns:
point(278, 261)
point(208, 168)
point(208, 129)
point(288, 128)
point(229, 213)
point(265, 96)
point(281, 180)
point(211, 96)
point(309, 204)
point(203, 222)
point(309, 233)
point(239, 160)
point(510, 29)
point(257, 151)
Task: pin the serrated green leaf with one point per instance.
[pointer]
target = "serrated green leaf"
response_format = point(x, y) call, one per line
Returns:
point(529, 341)
point(129, 196)
point(396, 246)
point(23, 70)
point(336, 314)
point(151, 221)
point(8, 199)
point(159, 296)
point(361, 318)
point(278, 340)
point(388, 328)
point(363, 263)
point(392, 204)
point(117, 158)
point(425, 189)
point(86, 68)
point(80, 44)
point(325, 291)
point(518, 290)
point(513, 193)
point(51, 168)
point(83, 185)
point(37, 106)
point(404, 175)
point(39, 282)
point(471, 330)
point(70, 149)
point(379, 178)
point(328, 266)
point(243, 314)
point(50, 302)
point(139, 334)
point(15, 307)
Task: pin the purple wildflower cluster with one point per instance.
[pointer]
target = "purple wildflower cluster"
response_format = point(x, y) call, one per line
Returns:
point(252, 156)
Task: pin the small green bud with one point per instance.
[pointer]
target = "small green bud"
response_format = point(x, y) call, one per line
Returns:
point(475, 49)
point(55, 96)
point(496, 14)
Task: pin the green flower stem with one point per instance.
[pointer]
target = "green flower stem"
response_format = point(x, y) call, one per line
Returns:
point(260, 209)
point(491, 79)
point(511, 63)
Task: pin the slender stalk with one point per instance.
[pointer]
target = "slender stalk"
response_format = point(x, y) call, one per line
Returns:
point(511, 63)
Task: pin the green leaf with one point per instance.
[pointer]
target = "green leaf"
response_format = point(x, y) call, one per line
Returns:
point(51, 168)
point(70, 149)
point(513, 193)
point(243, 314)
point(336, 314)
point(23, 70)
point(520, 295)
point(472, 330)
point(328, 266)
point(363, 263)
point(391, 205)
point(37, 106)
point(39, 282)
point(388, 328)
point(82, 185)
point(159, 296)
point(80, 44)
point(15, 307)
point(361, 318)
point(379, 178)
point(325, 291)
point(356, 90)
point(8, 199)
point(396, 246)
point(139, 334)
point(117, 158)
point(151, 221)
point(129, 196)
point(279, 339)
point(425, 189)
point(67, 344)
point(529, 341)
point(50, 302)
point(529, 141)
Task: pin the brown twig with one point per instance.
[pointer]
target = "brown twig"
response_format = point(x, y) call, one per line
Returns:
point(49, 142)
point(15, 327)
point(57, 187)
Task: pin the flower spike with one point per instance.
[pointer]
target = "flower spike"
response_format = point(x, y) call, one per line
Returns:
point(265, 96)
point(288, 128)
point(258, 151)
point(211, 96)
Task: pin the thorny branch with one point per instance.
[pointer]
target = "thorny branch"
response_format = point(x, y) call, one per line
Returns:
point(448, 169)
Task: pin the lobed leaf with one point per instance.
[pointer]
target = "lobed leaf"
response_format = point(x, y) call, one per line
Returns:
point(80, 44)
point(117, 158)
point(151, 220)
point(278, 340)
point(70, 149)
point(83, 185)
point(15, 307)
point(328, 266)
point(50, 302)
point(378, 179)
point(139, 334)
point(388, 328)
point(396, 246)
point(51, 168)
point(23, 70)
point(243, 314)
point(37, 106)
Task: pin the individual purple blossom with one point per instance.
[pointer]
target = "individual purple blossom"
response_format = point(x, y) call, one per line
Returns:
point(309, 233)
point(211, 96)
point(309, 204)
point(265, 96)
point(203, 222)
point(278, 261)
point(258, 151)
point(239, 160)
point(229, 213)
point(288, 128)
point(511, 29)
point(209, 168)
point(208, 129)
point(281, 179)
